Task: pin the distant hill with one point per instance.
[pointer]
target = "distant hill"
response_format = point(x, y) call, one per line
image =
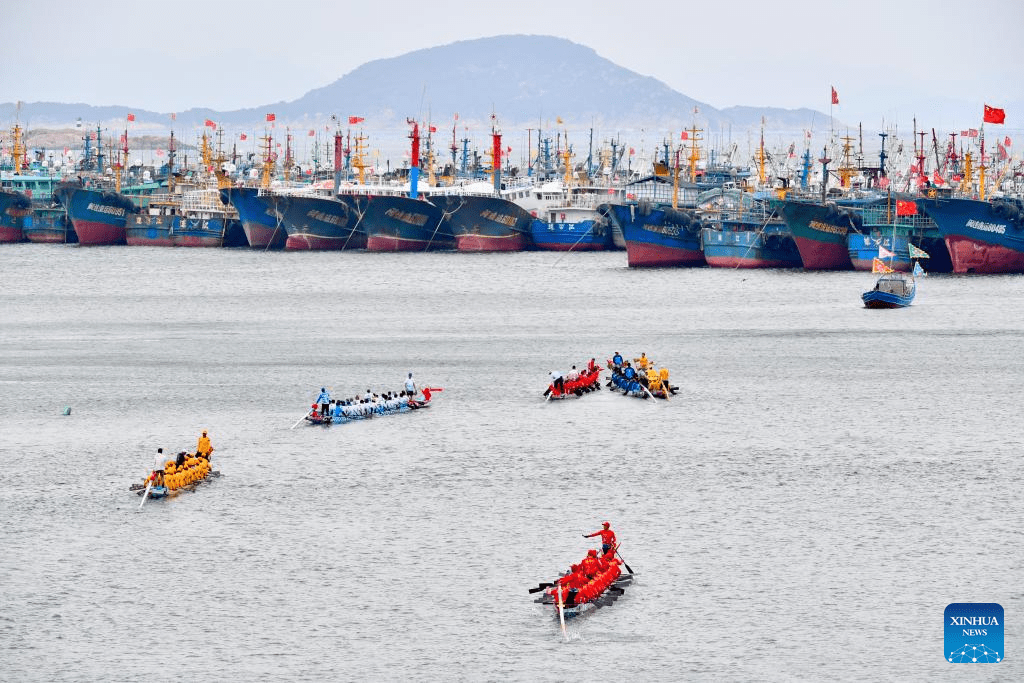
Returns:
point(522, 79)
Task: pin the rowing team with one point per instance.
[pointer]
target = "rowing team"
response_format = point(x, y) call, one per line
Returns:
point(632, 380)
point(366, 405)
point(573, 377)
point(588, 580)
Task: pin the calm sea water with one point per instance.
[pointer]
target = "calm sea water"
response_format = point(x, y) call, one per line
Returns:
point(827, 480)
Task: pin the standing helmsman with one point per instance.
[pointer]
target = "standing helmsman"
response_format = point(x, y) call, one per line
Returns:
point(607, 537)
point(203, 448)
point(410, 386)
point(324, 399)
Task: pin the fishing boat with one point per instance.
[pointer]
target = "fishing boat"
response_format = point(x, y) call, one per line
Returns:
point(14, 206)
point(341, 412)
point(585, 382)
point(982, 236)
point(99, 216)
point(49, 224)
point(891, 290)
point(744, 231)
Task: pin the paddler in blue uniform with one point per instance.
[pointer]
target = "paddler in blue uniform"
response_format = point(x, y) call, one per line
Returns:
point(617, 359)
point(324, 399)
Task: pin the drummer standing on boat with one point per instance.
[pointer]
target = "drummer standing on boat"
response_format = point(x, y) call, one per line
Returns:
point(410, 386)
point(607, 537)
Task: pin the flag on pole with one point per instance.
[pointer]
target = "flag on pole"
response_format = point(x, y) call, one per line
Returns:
point(918, 270)
point(131, 117)
point(210, 124)
point(271, 117)
point(884, 253)
point(1007, 141)
point(917, 252)
point(835, 96)
point(355, 119)
point(685, 136)
point(243, 136)
point(312, 132)
point(993, 115)
point(878, 266)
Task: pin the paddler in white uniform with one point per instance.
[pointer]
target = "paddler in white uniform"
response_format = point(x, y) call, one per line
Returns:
point(410, 386)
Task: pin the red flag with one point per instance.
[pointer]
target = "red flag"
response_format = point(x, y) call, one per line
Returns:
point(835, 96)
point(1003, 156)
point(355, 119)
point(883, 183)
point(936, 178)
point(993, 115)
point(271, 117)
point(312, 133)
point(685, 136)
point(131, 117)
point(174, 117)
point(456, 116)
point(914, 169)
point(965, 133)
point(973, 133)
point(433, 129)
point(1007, 141)
point(242, 136)
point(632, 151)
point(508, 149)
point(210, 124)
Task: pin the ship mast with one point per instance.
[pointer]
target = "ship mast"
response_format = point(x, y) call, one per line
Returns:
point(18, 150)
point(414, 163)
point(694, 152)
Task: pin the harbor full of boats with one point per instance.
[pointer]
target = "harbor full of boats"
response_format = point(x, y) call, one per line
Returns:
point(687, 211)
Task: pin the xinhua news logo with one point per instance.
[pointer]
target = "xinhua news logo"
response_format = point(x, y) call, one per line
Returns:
point(974, 633)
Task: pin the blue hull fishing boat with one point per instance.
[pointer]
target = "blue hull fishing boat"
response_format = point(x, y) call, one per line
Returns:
point(892, 290)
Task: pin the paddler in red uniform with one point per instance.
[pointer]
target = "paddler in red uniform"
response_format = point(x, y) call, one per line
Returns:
point(589, 566)
point(607, 537)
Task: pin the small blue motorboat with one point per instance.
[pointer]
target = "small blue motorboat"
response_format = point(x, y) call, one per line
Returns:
point(892, 290)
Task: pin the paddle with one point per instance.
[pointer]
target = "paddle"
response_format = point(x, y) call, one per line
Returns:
point(149, 485)
point(308, 413)
point(623, 560)
point(540, 587)
point(561, 611)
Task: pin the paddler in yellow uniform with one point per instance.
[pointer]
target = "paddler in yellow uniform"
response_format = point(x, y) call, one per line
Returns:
point(642, 362)
point(203, 449)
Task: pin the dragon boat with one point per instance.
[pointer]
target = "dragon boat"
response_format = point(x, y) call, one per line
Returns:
point(588, 381)
point(341, 412)
point(639, 378)
point(571, 599)
point(175, 478)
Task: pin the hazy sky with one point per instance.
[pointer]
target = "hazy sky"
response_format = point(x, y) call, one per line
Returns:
point(888, 59)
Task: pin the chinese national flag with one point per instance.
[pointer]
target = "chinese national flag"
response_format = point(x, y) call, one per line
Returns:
point(271, 117)
point(937, 179)
point(312, 133)
point(835, 96)
point(243, 136)
point(355, 119)
point(905, 208)
point(131, 117)
point(1007, 141)
point(210, 124)
point(685, 136)
point(993, 115)
point(433, 129)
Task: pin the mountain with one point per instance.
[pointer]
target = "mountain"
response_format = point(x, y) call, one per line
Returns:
point(521, 79)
